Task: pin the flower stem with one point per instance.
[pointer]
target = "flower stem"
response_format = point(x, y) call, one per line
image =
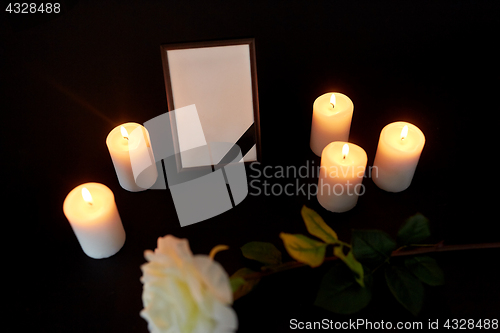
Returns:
point(421, 249)
point(440, 247)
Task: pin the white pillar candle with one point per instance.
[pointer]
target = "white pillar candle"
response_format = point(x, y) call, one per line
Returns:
point(341, 175)
point(398, 152)
point(130, 147)
point(91, 210)
point(331, 120)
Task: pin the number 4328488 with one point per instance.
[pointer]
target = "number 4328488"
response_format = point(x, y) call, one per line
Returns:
point(32, 8)
point(463, 324)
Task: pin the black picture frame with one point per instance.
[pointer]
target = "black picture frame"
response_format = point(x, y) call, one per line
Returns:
point(238, 66)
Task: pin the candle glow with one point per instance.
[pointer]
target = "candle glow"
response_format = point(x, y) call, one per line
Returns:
point(345, 151)
point(95, 219)
point(124, 132)
point(129, 146)
point(398, 151)
point(404, 132)
point(87, 197)
point(331, 120)
point(332, 100)
point(340, 179)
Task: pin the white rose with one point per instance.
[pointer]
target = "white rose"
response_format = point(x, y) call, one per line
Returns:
point(185, 293)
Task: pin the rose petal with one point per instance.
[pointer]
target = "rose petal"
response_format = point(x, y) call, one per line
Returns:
point(177, 249)
point(185, 293)
point(226, 318)
point(215, 277)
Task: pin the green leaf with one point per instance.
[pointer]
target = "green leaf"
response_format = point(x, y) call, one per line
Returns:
point(236, 283)
point(241, 286)
point(415, 230)
point(317, 226)
point(426, 269)
point(304, 249)
point(339, 293)
point(407, 289)
point(351, 262)
point(262, 252)
point(372, 247)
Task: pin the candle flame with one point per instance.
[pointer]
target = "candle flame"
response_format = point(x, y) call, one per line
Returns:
point(345, 151)
point(404, 132)
point(124, 132)
point(332, 100)
point(87, 196)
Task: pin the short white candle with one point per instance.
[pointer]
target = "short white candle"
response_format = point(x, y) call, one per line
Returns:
point(125, 146)
point(331, 120)
point(341, 175)
point(91, 210)
point(399, 148)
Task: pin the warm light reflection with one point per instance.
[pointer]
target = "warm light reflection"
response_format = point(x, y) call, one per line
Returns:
point(345, 151)
point(332, 100)
point(124, 132)
point(87, 196)
point(404, 132)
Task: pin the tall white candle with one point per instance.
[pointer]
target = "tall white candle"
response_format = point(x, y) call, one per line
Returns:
point(331, 120)
point(399, 148)
point(130, 151)
point(341, 175)
point(91, 210)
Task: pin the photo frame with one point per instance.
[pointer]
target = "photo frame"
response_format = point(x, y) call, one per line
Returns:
point(219, 78)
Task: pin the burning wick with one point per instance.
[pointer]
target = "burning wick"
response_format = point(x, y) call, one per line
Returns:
point(332, 101)
point(124, 132)
point(345, 151)
point(404, 132)
point(87, 196)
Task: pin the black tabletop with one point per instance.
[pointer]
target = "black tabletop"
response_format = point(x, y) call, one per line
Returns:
point(68, 78)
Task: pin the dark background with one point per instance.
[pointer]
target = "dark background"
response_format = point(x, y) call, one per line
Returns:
point(67, 79)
